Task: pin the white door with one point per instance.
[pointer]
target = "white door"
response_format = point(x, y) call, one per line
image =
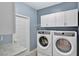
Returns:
point(71, 17)
point(22, 35)
point(59, 19)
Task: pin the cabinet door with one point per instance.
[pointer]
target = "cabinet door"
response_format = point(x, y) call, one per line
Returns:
point(48, 20)
point(51, 20)
point(7, 18)
point(44, 20)
point(59, 19)
point(71, 18)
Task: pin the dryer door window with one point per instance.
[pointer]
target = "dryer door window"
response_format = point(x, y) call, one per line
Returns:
point(63, 45)
point(43, 41)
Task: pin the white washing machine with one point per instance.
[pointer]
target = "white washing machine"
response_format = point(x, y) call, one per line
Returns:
point(64, 43)
point(44, 43)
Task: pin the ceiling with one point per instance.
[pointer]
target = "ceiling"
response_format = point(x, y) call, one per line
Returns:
point(41, 5)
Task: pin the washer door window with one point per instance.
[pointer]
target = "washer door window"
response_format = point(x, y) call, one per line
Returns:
point(43, 41)
point(63, 45)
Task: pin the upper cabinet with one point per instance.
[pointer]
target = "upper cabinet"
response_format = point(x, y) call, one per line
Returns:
point(60, 19)
point(71, 18)
point(7, 18)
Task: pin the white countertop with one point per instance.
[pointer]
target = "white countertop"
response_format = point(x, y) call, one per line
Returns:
point(11, 49)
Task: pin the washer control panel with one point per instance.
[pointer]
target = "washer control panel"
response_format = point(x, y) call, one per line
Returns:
point(43, 32)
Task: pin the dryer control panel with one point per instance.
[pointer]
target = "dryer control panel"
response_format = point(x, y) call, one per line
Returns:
point(64, 34)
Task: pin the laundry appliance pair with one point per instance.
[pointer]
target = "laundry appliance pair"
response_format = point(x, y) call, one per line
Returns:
point(56, 43)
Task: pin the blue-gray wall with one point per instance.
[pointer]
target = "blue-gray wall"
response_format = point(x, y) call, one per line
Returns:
point(57, 8)
point(24, 9)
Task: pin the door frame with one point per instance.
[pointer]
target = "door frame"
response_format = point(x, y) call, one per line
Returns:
point(26, 17)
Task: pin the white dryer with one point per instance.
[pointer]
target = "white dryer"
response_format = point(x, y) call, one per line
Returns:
point(64, 43)
point(44, 43)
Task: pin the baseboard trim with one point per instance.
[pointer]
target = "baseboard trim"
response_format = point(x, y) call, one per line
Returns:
point(33, 52)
